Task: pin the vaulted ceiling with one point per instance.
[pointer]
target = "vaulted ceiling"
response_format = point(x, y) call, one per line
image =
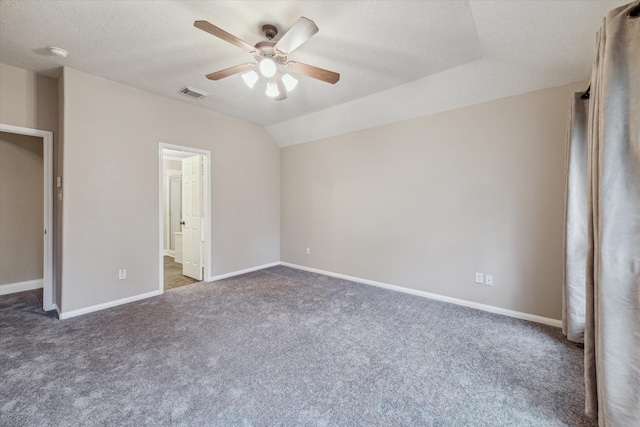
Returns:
point(397, 59)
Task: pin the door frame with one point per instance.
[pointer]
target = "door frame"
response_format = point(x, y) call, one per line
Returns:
point(48, 280)
point(206, 212)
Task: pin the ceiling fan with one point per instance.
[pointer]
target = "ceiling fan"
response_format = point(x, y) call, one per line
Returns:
point(271, 58)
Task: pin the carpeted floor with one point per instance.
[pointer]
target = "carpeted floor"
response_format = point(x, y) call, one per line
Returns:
point(284, 347)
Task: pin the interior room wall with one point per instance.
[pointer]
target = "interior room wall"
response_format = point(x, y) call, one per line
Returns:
point(31, 100)
point(21, 208)
point(425, 204)
point(59, 191)
point(167, 165)
point(28, 99)
point(111, 201)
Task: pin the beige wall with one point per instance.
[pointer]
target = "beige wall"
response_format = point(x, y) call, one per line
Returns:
point(58, 194)
point(30, 100)
point(172, 164)
point(111, 199)
point(426, 203)
point(422, 204)
point(21, 208)
point(167, 165)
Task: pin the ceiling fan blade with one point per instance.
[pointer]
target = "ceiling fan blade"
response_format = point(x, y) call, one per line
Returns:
point(301, 31)
point(313, 72)
point(231, 71)
point(220, 33)
point(282, 91)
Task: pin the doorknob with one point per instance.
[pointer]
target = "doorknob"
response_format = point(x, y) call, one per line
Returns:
point(182, 223)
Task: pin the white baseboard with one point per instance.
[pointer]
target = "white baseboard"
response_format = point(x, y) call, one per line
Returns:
point(239, 272)
point(169, 252)
point(465, 303)
point(478, 306)
point(80, 311)
point(28, 285)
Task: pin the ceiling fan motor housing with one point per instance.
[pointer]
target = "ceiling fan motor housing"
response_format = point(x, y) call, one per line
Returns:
point(269, 31)
point(266, 50)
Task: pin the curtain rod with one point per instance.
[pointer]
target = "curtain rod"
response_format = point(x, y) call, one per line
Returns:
point(633, 13)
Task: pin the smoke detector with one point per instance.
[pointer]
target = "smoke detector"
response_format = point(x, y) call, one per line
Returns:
point(58, 51)
point(193, 93)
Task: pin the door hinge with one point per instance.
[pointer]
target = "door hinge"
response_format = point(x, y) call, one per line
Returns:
point(45, 231)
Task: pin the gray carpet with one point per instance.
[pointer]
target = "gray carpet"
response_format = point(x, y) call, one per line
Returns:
point(284, 347)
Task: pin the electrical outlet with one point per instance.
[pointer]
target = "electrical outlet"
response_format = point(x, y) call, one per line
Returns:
point(122, 273)
point(308, 251)
point(479, 278)
point(488, 280)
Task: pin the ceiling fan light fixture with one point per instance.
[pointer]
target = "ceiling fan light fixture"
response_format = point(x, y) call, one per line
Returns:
point(267, 67)
point(271, 57)
point(272, 90)
point(250, 78)
point(290, 82)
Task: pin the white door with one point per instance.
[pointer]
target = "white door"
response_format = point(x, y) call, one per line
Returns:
point(192, 238)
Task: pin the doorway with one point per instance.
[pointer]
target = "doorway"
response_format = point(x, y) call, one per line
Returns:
point(25, 273)
point(185, 189)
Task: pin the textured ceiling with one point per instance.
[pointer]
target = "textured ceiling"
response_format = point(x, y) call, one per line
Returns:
point(397, 59)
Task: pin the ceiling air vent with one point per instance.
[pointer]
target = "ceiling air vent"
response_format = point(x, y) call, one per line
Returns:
point(193, 93)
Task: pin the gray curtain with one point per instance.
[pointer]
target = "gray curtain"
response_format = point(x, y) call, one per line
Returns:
point(612, 264)
point(576, 242)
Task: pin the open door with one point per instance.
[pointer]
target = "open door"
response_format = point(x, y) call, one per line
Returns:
point(192, 217)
